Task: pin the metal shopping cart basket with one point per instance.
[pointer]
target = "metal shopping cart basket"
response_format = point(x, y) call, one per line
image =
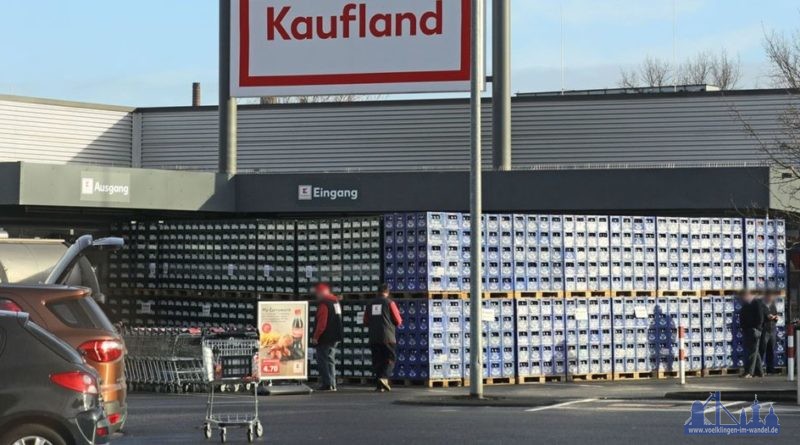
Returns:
point(229, 361)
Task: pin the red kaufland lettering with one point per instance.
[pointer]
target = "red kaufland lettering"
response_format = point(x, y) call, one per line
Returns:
point(355, 20)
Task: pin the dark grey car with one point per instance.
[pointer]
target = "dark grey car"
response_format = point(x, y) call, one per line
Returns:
point(48, 395)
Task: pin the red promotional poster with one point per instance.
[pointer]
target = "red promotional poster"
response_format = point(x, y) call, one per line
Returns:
point(283, 340)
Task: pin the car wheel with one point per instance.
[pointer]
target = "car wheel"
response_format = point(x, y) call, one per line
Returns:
point(32, 434)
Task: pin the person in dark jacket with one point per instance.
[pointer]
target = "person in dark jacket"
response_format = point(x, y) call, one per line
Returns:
point(751, 320)
point(771, 315)
point(328, 332)
point(382, 317)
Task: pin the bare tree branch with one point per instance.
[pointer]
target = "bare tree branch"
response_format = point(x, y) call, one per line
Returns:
point(696, 70)
point(726, 72)
point(705, 68)
point(628, 78)
point(784, 56)
point(655, 72)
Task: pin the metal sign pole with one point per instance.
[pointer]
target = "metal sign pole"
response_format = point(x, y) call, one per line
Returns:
point(476, 210)
point(501, 84)
point(227, 104)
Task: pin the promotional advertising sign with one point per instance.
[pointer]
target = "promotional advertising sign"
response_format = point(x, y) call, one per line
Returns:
point(304, 47)
point(283, 340)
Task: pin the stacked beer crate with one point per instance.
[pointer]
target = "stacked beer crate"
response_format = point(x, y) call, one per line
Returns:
point(632, 330)
point(499, 332)
point(135, 266)
point(674, 254)
point(356, 358)
point(499, 253)
point(718, 334)
point(589, 340)
point(717, 258)
point(633, 253)
point(430, 344)
point(427, 252)
point(344, 252)
point(765, 241)
point(208, 256)
point(275, 257)
point(586, 253)
point(541, 339)
point(319, 254)
point(361, 255)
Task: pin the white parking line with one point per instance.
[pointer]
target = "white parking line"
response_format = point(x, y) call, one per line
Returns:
point(559, 405)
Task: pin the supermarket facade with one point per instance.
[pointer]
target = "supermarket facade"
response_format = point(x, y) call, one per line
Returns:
point(684, 153)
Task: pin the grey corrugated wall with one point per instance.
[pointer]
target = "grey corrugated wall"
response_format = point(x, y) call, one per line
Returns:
point(37, 130)
point(659, 130)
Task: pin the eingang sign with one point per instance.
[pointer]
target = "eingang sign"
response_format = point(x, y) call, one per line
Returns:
point(304, 47)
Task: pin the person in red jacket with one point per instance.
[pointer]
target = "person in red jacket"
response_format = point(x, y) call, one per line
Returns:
point(382, 318)
point(328, 332)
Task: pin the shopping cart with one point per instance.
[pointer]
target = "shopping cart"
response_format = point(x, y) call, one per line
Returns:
point(230, 360)
point(163, 359)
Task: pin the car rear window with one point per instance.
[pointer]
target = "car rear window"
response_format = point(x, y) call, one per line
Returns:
point(53, 343)
point(82, 313)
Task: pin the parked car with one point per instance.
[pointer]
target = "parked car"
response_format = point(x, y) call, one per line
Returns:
point(73, 315)
point(48, 394)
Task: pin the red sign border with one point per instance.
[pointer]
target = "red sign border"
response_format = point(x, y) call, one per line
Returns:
point(246, 80)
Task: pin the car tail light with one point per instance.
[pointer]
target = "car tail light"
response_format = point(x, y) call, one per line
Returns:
point(101, 431)
point(8, 305)
point(76, 381)
point(102, 351)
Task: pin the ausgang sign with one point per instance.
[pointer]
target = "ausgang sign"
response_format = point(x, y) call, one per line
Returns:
point(303, 47)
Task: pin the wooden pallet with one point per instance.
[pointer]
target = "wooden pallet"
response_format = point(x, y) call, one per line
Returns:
point(497, 295)
point(674, 374)
point(529, 379)
point(719, 293)
point(539, 294)
point(679, 293)
point(587, 293)
point(447, 383)
point(435, 383)
point(591, 377)
point(634, 375)
point(430, 295)
point(633, 293)
point(495, 381)
point(721, 372)
point(358, 380)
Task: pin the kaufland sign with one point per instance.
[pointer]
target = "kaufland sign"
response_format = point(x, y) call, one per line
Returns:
point(303, 47)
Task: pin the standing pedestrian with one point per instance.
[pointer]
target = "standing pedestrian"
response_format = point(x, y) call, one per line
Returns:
point(771, 315)
point(751, 319)
point(382, 318)
point(328, 332)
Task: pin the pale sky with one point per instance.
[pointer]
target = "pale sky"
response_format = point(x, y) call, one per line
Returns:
point(148, 52)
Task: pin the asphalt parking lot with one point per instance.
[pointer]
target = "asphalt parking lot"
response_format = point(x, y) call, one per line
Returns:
point(596, 414)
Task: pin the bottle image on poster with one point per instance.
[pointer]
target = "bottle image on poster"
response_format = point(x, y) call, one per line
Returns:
point(283, 343)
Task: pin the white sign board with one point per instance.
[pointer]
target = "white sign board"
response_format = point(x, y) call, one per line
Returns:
point(305, 47)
